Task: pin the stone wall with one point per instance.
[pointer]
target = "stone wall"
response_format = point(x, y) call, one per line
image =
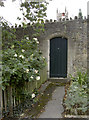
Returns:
point(88, 46)
point(75, 31)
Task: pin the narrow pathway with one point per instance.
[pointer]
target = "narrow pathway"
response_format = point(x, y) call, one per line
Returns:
point(54, 107)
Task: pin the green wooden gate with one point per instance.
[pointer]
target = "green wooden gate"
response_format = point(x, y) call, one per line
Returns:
point(58, 57)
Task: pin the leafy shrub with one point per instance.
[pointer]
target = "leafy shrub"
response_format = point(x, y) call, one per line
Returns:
point(77, 100)
point(81, 78)
point(22, 62)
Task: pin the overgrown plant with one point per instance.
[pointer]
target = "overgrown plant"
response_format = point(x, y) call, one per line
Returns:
point(35, 14)
point(22, 62)
point(81, 78)
point(22, 59)
point(77, 100)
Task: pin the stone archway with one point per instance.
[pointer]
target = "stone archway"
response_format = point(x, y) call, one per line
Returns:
point(46, 51)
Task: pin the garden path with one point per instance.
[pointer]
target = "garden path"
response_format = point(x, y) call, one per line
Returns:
point(54, 107)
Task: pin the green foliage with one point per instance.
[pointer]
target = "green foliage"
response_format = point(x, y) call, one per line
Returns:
point(22, 59)
point(77, 100)
point(22, 62)
point(1, 3)
point(81, 78)
point(35, 14)
point(8, 34)
point(34, 11)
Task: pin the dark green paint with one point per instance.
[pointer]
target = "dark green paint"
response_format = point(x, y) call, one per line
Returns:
point(58, 57)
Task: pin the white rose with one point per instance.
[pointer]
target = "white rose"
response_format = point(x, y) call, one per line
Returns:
point(36, 71)
point(31, 77)
point(15, 55)
point(37, 42)
point(21, 56)
point(33, 95)
point(27, 70)
point(31, 54)
point(35, 39)
point(23, 50)
point(27, 38)
point(38, 78)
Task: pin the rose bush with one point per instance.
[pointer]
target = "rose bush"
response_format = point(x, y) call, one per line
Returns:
point(22, 62)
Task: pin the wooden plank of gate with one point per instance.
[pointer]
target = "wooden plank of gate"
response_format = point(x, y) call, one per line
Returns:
point(1, 104)
point(10, 101)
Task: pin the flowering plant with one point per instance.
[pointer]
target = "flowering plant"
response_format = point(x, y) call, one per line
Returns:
point(22, 62)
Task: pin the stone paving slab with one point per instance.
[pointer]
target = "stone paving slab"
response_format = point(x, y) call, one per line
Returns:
point(54, 107)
